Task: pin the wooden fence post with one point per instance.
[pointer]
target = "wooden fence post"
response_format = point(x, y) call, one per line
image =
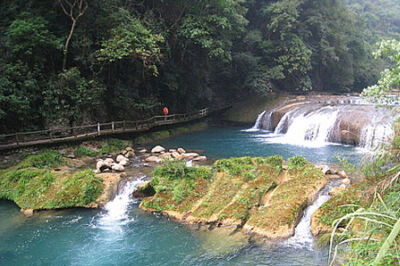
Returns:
point(112, 126)
point(16, 137)
point(124, 126)
point(98, 129)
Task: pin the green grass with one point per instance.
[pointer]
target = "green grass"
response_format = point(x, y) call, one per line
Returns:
point(83, 151)
point(32, 184)
point(112, 146)
point(45, 158)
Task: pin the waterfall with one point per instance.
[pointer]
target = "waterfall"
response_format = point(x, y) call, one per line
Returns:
point(316, 125)
point(116, 211)
point(303, 237)
point(258, 124)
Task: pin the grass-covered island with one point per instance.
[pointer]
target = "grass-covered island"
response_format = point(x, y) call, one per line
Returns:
point(49, 180)
point(258, 194)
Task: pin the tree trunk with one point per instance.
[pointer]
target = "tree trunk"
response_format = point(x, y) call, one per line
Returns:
point(67, 44)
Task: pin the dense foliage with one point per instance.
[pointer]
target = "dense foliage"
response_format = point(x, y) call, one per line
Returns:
point(78, 61)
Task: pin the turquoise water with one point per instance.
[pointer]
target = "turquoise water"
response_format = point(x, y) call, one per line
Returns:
point(225, 142)
point(74, 237)
point(89, 237)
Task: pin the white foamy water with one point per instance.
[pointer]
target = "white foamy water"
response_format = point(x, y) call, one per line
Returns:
point(116, 211)
point(303, 237)
point(314, 125)
point(257, 125)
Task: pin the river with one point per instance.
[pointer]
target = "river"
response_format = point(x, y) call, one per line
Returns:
point(122, 234)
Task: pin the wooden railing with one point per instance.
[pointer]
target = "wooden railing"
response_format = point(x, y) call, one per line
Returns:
point(23, 139)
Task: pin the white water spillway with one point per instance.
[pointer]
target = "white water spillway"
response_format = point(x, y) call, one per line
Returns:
point(116, 211)
point(316, 123)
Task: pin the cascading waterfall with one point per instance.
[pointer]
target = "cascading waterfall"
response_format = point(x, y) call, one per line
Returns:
point(116, 211)
point(303, 237)
point(258, 124)
point(308, 129)
point(316, 125)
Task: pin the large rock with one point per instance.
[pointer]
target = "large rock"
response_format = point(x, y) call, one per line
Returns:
point(121, 158)
point(181, 150)
point(190, 155)
point(166, 155)
point(153, 159)
point(27, 212)
point(158, 149)
point(103, 165)
point(342, 174)
point(124, 163)
point(200, 158)
point(118, 167)
point(175, 155)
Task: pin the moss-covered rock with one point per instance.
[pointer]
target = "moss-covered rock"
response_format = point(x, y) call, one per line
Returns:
point(254, 192)
point(34, 184)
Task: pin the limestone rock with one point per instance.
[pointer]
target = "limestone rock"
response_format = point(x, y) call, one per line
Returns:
point(129, 154)
point(166, 155)
point(175, 155)
point(158, 149)
point(200, 158)
point(181, 150)
point(343, 174)
point(325, 169)
point(172, 150)
point(103, 165)
point(27, 212)
point(121, 158)
point(143, 150)
point(129, 149)
point(190, 155)
point(153, 159)
point(118, 167)
point(124, 163)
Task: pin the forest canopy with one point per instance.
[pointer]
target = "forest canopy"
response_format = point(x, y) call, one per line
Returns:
point(70, 62)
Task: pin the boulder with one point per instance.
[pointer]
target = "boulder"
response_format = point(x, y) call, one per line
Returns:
point(103, 165)
point(175, 155)
point(27, 212)
point(143, 150)
point(325, 169)
point(130, 154)
point(108, 162)
point(166, 155)
point(342, 174)
point(172, 150)
point(190, 155)
point(200, 158)
point(121, 158)
point(118, 167)
point(158, 149)
point(153, 159)
point(181, 150)
point(124, 163)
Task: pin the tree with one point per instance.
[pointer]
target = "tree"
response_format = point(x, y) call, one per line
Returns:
point(390, 78)
point(74, 10)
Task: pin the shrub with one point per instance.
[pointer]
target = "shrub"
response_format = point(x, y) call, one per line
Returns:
point(297, 162)
point(82, 151)
point(234, 166)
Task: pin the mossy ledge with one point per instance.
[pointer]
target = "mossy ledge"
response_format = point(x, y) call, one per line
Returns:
point(46, 181)
point(256, 194)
